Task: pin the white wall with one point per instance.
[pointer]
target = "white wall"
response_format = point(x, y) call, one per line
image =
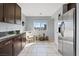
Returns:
point(23, 18)
point(55, 18)
point(8, 27)
point(51, 29)
point(50, 26)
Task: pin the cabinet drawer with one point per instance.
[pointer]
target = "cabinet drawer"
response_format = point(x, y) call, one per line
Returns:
point(68, 48)
point(6, 48)
point(17, 45)
point(9, 9)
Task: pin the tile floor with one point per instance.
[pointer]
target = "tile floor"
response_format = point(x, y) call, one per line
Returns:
point(40, 48)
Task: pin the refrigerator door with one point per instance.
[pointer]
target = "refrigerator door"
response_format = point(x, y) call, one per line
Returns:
point(68, 39)
point(60, 44)
point(60, 37)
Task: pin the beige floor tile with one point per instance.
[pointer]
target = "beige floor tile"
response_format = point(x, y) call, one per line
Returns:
point(40, 48)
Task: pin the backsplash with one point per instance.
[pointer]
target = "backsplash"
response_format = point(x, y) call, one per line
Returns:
point(9, 33)
point(3, 34)
point(9, 27)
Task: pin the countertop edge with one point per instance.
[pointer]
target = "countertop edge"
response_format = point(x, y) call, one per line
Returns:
point(10, 36)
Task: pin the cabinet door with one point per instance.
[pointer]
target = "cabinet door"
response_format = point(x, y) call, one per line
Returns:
point(23, 40)
point(71, 5)
point(6, 48)
point(9, 12)
point(17, 45)
point(67, 7)
point(18, 14)
point(1, 12)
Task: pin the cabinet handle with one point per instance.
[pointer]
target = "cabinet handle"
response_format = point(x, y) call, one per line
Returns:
point(4, 19)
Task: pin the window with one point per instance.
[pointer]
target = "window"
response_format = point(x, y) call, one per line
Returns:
point(36, 25)
point(40, 25)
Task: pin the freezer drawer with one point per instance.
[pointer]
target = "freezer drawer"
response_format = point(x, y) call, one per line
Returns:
point(60, 46)
point(68, 48)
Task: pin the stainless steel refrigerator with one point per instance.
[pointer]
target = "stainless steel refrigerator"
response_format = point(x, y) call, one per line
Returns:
point(66, 34)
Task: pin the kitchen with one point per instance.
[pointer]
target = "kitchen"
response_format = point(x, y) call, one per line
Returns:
point(20, 27)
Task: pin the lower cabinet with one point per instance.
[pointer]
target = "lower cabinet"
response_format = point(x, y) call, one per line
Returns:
point(17, 45)
point(6, 48)
point(12, 46)
point(23, 40)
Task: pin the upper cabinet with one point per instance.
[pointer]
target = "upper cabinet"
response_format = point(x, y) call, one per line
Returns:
point(1, 12)
point(17, 14)
point(67, 7)
point(9, 10)
point(10, 13)
point(71, 5)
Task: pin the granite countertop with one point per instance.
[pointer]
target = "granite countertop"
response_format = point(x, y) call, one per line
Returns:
point(9, 36)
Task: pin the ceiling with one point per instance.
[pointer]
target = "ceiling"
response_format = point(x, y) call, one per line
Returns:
point(39, 9)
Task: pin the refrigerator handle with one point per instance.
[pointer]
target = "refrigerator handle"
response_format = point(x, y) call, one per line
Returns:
point(62, 28)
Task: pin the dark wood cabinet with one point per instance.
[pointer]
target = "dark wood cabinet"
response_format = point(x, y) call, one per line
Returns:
point(1, 12)
point(13, 46)
point(17, 14)
point(9, 9)
point(6, 48)
point(10, 13)
point(17, 45)
point(23, 40)
point(67, 7)
point(71, 5)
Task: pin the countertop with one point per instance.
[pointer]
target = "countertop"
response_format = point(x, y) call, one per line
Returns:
point(9, 36)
